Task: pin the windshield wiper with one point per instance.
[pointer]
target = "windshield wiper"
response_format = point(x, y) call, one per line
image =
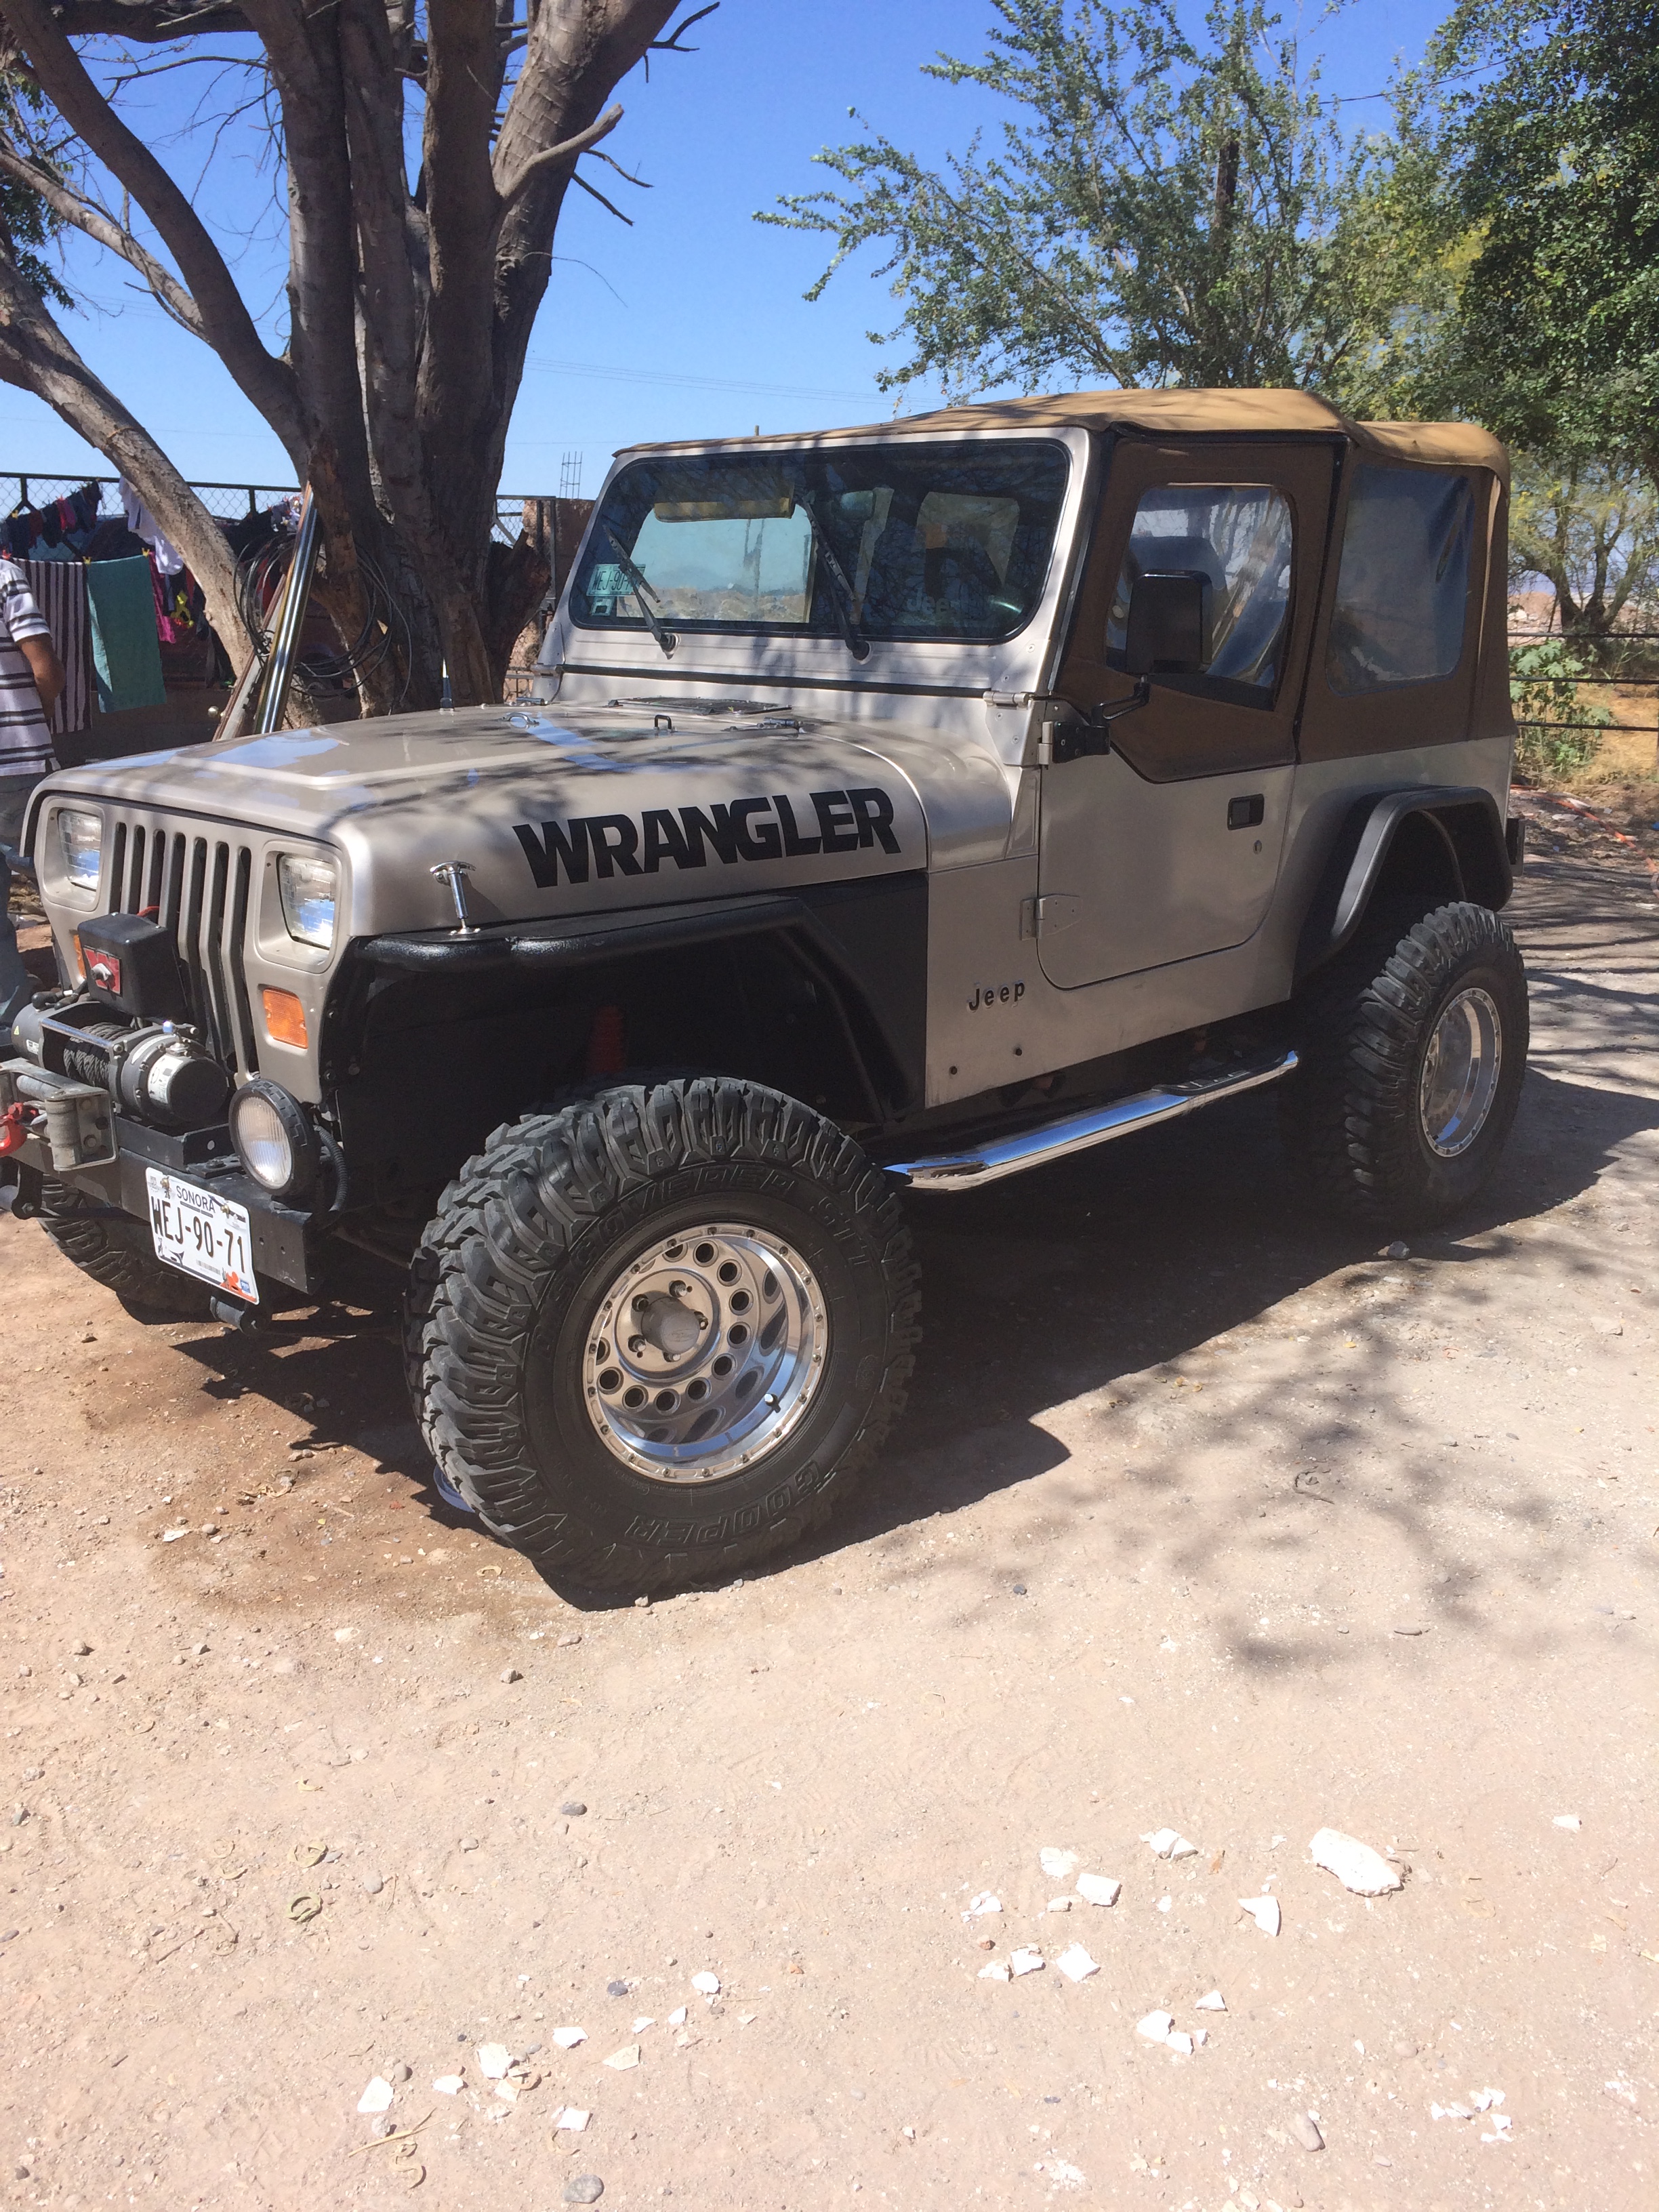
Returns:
point(841, 597)
point(658, 629)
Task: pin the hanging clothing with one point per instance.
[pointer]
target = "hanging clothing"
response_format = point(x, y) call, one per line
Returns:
point(126, 658)
point(60, 592)
point(142, 524)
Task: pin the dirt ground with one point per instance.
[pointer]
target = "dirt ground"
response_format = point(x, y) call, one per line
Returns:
point(1204, 1516)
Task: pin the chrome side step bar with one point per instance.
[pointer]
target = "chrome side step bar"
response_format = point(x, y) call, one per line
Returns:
point(1075, 1133)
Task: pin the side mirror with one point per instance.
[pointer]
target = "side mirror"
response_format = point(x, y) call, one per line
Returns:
point(1169, 627)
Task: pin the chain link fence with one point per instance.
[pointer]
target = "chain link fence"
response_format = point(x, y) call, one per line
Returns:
point(228, 501)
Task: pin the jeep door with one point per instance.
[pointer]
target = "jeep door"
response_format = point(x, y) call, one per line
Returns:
point(1166, 846)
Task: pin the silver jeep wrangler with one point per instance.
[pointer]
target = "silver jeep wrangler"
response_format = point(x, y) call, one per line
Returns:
point(895, 809)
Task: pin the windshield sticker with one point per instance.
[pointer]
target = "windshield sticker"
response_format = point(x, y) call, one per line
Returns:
point(605, 845)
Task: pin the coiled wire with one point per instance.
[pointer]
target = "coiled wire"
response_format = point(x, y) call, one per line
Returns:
point(260, 571)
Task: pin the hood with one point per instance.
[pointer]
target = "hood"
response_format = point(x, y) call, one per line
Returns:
point(583, 811)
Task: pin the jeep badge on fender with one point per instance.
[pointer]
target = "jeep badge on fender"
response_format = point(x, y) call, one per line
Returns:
point(894, 810)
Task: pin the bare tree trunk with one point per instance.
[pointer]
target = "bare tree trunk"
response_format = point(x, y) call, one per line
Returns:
point(409, 312)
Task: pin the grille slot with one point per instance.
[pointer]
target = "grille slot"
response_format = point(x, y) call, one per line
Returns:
point(201, 888)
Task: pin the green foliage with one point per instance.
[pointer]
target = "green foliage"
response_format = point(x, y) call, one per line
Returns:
point(1158, 210)
point(1552, 173)
point(1592, 530)
point(1544, 681)
point(27, 225)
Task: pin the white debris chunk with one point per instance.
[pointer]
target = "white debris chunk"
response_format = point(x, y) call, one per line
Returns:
point(1201, 2035)
point(1155, 2027)
point(1098, 1888)
point(1027, 1959)
point(1058, 1864)
point(1063, 2172)
point(1501, 2124)
point(621, 2060)
point(1076, 1963)
point(1214, 2002)
point(494, 2059)
point(507, 2091)
point(571, 2121)
point(450, 2084)
point(1355, 1865)
point(1265, 1911)
point(677, 2018)
point(640, 2025)
point(1450, 2112)
point(568, 2037)
point(987, 1901)
point(709, 1984)
point(1059, 1904)
point(996, 1972)
point(1169, 1844)
point(1567, 1820)
point(377, 2097)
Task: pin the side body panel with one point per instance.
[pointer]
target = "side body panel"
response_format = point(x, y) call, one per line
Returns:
point(974, 938)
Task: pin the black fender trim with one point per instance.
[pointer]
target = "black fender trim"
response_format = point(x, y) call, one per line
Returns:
point(865, 941)
point(1464, 817)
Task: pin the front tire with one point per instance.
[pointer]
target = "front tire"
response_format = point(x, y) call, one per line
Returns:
point(116, 1250)
point(660, 1333)
point(1414, 1046)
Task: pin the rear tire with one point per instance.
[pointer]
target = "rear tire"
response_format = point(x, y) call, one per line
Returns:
point(1414, 1048)
point(568, 1234)
point(115, 1250)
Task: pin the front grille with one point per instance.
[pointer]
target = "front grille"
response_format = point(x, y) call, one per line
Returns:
point(198, 886)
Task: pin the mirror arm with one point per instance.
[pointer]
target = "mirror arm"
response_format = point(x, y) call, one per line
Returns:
point(1059, 742)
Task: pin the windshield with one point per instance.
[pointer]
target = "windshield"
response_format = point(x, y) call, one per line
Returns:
point(929, 542)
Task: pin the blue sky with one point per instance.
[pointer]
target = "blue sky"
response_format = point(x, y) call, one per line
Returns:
point(690, 324)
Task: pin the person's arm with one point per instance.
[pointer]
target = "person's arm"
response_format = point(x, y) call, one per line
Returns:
point(47, 669)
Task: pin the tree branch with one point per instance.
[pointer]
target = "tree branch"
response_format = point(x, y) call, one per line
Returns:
point(538, 164)
point(71, 206)
point(35, 356)
point(226, 324)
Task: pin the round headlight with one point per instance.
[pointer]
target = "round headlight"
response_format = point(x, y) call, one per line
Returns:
point(274, 1138)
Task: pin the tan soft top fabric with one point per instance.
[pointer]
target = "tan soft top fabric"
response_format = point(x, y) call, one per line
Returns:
point(1448, 444)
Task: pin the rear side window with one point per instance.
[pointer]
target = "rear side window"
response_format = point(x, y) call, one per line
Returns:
point(1237, 538)
point(1403, 583)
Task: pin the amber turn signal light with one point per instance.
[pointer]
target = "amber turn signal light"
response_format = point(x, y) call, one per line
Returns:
point(285, 1018)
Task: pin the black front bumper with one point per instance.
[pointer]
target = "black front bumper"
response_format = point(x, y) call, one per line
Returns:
point(79, 1140)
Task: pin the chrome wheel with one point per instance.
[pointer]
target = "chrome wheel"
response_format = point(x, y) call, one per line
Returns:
point(705, 1353)
point(1460, 1073)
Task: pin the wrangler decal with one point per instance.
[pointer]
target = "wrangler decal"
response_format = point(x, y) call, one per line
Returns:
point(606, 845)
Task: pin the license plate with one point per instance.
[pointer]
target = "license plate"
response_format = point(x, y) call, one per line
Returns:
point(204, 1234)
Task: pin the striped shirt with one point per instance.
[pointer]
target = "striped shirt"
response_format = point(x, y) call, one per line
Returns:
point(25, 740)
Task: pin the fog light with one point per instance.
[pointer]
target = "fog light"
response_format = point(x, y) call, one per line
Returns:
point(274, 1138)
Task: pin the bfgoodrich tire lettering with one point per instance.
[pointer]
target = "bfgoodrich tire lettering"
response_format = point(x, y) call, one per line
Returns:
point(524, 1246)
point(1354, 1115)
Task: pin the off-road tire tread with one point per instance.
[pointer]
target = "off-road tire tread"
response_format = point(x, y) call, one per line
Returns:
point(115, 1252)
point(1349, 1113)
point(514, 1224)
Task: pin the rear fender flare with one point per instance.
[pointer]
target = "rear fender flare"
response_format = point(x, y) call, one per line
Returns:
point(1466, 827)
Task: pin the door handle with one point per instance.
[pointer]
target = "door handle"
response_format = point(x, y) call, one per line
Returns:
point(1246, 813)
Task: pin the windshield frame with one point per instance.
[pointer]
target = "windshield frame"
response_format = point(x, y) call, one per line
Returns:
point(821, 627)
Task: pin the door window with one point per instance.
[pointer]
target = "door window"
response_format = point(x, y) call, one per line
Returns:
point(1238, 539)
point(1404, 582)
